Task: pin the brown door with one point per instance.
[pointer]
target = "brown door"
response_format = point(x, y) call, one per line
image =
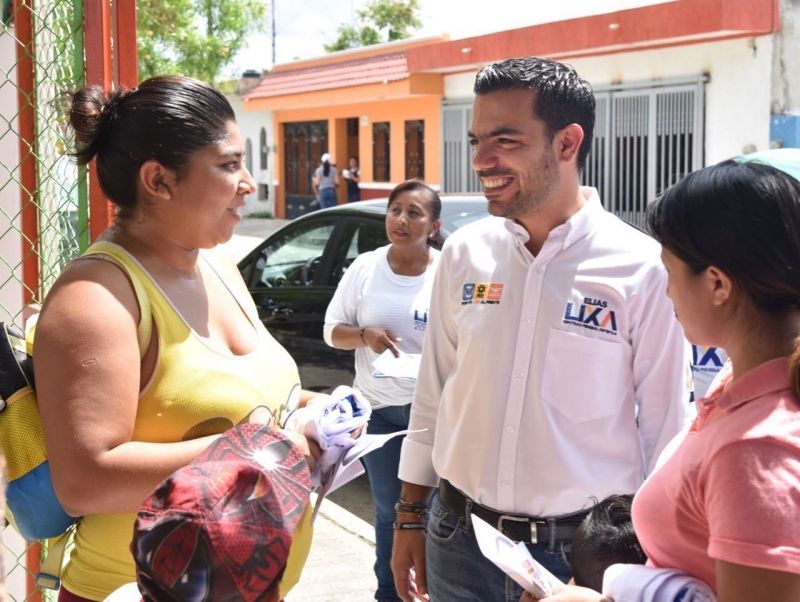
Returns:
point(380, 152)
point(415, 149)
point(304, 143)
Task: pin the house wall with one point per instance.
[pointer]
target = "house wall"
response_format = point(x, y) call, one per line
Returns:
point(396, 112)
point(738, 92)
point(250, 124)
point(13, 545)
point(785, 131)
point(10, 239)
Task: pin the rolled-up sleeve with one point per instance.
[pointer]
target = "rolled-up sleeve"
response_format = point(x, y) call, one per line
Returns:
point(661, 370)
point(437, 364)
point(343, 308)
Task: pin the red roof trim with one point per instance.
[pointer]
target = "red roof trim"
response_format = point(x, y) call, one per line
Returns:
point(671, 23)
point(371, 70)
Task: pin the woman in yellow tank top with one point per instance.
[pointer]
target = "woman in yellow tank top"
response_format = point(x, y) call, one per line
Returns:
point(150, 347)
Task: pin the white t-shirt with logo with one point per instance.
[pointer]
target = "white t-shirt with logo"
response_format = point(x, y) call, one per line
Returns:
point(706, 364)
point(371, 294)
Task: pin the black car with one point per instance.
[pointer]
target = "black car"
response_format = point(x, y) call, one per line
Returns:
point(293, 274)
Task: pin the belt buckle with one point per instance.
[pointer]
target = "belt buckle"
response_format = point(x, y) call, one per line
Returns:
point(517, 519)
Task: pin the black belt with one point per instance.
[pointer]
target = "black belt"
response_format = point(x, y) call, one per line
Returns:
point(528, 529)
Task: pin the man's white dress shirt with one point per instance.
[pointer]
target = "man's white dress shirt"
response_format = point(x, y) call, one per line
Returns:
point(547, 380)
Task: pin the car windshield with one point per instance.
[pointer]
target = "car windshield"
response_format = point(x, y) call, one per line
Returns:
point(459, 220)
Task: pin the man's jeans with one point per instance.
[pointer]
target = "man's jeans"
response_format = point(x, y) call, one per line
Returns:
point(382, 465)
point(457, 571)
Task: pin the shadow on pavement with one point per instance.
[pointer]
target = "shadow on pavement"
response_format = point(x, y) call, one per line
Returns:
point(356, 498)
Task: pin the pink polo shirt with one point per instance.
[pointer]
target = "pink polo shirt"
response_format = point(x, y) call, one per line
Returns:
point(731, 490)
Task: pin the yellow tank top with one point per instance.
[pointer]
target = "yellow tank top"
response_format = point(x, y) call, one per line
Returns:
point(195, 391)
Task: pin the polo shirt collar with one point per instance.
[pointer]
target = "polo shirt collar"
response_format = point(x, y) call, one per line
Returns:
point(575, 228)
point(770, 377)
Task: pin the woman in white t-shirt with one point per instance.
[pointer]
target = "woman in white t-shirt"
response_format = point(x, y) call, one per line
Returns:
point(382, 304)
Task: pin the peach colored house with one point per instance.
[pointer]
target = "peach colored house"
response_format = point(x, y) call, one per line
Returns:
point(363, 102)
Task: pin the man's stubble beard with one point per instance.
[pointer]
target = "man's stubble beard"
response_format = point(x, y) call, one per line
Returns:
point(537, 198)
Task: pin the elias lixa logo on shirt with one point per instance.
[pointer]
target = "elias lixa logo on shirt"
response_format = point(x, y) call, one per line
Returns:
point(592, 314)
point(420, 319)
point(486, 293)
point(706, 359)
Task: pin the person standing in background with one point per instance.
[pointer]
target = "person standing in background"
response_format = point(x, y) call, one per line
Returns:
point(325, 182)
point(382, 303)
point(353, 177)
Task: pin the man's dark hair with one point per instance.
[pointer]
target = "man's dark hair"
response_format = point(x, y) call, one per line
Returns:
point(561, 98)
point(605, 537)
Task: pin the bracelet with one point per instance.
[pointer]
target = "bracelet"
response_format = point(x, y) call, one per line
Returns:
point(411, 507)
point(409, 526)
point(362, 335)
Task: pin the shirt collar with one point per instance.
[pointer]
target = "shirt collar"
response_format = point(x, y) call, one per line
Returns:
point(770, 377)
point(575, 228)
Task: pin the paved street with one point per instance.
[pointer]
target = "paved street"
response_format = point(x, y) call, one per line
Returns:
point(339, 568)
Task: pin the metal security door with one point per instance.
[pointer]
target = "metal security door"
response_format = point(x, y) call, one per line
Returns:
point(646, 138)
point(457, 173)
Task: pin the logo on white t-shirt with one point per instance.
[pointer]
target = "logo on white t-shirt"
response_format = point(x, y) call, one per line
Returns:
point(420, 319)
point(592, 314)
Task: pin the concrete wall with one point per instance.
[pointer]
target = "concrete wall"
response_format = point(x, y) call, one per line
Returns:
point(13, 546)
point(786, 61)
point(250, 124)
point(10, 240)
point(737, 116)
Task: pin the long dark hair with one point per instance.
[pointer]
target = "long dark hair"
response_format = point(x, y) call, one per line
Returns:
point(561, 98)
point(166, 119)
point(434, 204)
point(744, 218)
point(326, 168)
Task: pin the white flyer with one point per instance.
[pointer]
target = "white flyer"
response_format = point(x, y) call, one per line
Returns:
point(388, 366)
point(348, 468)
point(514, 560)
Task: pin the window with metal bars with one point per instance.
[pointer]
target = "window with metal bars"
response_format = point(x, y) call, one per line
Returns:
point(264, 148)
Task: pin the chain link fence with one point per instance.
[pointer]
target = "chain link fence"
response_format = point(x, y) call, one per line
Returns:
point(43, 194)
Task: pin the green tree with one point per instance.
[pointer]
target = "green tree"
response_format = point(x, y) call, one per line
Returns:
point(196, 38)
point(379, 21)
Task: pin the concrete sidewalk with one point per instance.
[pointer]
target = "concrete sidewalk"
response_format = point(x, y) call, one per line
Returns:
point(339, 568)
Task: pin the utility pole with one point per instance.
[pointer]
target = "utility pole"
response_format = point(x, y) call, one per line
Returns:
point(272, 4)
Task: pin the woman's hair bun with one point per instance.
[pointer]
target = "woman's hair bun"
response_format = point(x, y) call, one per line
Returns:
point(92, 113)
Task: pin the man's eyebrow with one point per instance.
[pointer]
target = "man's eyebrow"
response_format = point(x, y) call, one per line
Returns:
point(504, 131)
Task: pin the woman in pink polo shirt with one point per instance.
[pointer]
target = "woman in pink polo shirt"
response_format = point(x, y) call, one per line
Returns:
point(725, 505)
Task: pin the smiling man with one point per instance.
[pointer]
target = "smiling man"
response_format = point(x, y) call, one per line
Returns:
point(553, 371)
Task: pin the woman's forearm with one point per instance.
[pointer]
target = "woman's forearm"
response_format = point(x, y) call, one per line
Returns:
point(347, 337)
point(120, 479)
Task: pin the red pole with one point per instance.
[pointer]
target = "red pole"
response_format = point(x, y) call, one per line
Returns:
point(126, 51)
point(97, 15)
point(26, 95)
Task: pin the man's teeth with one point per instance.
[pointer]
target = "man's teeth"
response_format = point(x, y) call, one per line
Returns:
point(495, 182)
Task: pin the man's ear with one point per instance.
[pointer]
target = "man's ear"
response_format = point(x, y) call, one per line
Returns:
point(156, 180)
point(568, 142)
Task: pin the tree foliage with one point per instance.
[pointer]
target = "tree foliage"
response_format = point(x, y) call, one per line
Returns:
point(196, 38)
point(379, 21)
